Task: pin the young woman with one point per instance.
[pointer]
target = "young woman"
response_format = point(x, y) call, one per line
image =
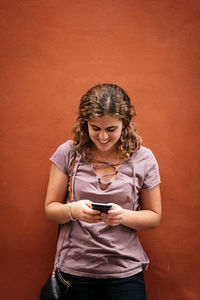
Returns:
point(102, 256)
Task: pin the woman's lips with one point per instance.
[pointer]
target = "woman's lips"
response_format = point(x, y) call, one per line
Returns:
point(104, 142)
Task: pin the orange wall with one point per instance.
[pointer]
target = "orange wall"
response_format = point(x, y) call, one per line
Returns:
point(52, 52)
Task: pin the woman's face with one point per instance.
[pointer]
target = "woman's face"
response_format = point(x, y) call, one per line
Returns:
point(105, 132)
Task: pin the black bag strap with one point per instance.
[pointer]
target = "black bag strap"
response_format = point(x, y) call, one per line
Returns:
point(66, 227)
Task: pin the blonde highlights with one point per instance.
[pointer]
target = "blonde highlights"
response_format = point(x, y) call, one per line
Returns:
point(105, 99)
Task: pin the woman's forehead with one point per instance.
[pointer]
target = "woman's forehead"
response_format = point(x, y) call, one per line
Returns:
point(105, 121)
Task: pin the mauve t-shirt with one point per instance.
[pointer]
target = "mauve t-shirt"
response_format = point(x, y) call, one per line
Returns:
point(99, 250)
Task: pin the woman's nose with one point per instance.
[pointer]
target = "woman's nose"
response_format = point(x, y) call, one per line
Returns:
point(103, 135)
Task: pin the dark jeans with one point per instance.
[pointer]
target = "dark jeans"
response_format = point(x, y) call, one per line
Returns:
point(129, 288)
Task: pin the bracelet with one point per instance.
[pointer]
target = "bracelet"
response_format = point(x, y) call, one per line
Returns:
point(70, 213)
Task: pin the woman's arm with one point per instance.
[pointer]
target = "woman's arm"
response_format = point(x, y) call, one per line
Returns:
point(146, 218)
point(55, 208)
point(58, 211)
point(150, 214)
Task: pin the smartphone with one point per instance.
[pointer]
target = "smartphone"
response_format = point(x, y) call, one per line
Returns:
point(103, 207)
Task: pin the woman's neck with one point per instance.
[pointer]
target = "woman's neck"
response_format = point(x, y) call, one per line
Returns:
point(108, 156)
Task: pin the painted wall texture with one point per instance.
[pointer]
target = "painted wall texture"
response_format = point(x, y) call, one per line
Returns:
point(51, 52)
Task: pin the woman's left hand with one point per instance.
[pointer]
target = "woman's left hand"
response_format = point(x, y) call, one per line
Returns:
point(114, 216)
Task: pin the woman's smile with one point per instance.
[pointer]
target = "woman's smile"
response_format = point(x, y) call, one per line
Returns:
point(103, 142)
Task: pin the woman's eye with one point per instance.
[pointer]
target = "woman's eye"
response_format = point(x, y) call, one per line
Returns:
point(108, 129)
point(95, 128)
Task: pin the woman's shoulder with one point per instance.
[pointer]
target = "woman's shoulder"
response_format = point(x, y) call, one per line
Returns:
point(66, 149)
point(147, 165)
point(67, 145)
point(63, 156)
point(143, 153)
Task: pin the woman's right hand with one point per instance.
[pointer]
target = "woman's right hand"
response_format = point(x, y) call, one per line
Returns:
point(83, 211)
point(55, 207)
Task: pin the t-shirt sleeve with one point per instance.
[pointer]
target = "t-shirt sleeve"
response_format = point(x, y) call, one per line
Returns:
point(62, 156)
point(151, 173)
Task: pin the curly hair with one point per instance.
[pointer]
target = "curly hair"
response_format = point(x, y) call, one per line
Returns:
point(105, 99)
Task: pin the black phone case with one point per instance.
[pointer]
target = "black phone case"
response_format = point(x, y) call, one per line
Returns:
point(102, 208)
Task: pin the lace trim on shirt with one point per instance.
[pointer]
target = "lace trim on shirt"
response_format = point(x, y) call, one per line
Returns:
point(103, 164)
